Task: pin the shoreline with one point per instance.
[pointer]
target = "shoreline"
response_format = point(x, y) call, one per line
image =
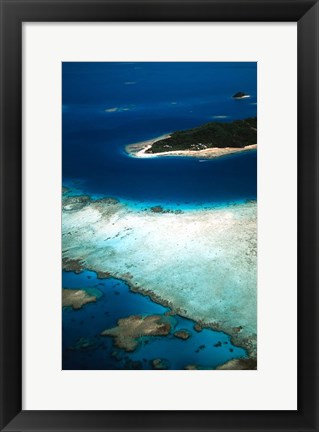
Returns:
point(142, 274)
point(237, 363)
point(143, 205)
point(138, 150)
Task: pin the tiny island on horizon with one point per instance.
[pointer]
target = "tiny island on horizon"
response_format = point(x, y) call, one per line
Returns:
point(240, 95)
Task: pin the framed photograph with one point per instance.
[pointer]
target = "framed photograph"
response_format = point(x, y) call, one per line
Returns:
point(159, 215)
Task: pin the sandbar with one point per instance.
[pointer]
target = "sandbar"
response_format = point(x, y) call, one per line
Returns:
point(76, 298)
point(182, 334)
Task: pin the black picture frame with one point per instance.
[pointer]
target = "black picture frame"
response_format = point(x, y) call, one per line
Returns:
point(13, 14)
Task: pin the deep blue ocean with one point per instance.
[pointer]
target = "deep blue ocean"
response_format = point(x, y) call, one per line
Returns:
point(106, 106)
point(109, 105)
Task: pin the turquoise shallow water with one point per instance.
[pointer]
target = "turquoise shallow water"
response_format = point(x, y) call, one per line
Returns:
point(117, 301)
point(109, 105)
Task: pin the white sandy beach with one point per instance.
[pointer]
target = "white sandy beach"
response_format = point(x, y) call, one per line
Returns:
point(139, 150)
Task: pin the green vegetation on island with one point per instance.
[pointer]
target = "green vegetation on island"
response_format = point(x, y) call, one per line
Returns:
point(237, 134)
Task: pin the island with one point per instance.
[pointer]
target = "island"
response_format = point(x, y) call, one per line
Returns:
point(76, 298)
point(240, 95)
point(210, 140)
point(128, 330)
